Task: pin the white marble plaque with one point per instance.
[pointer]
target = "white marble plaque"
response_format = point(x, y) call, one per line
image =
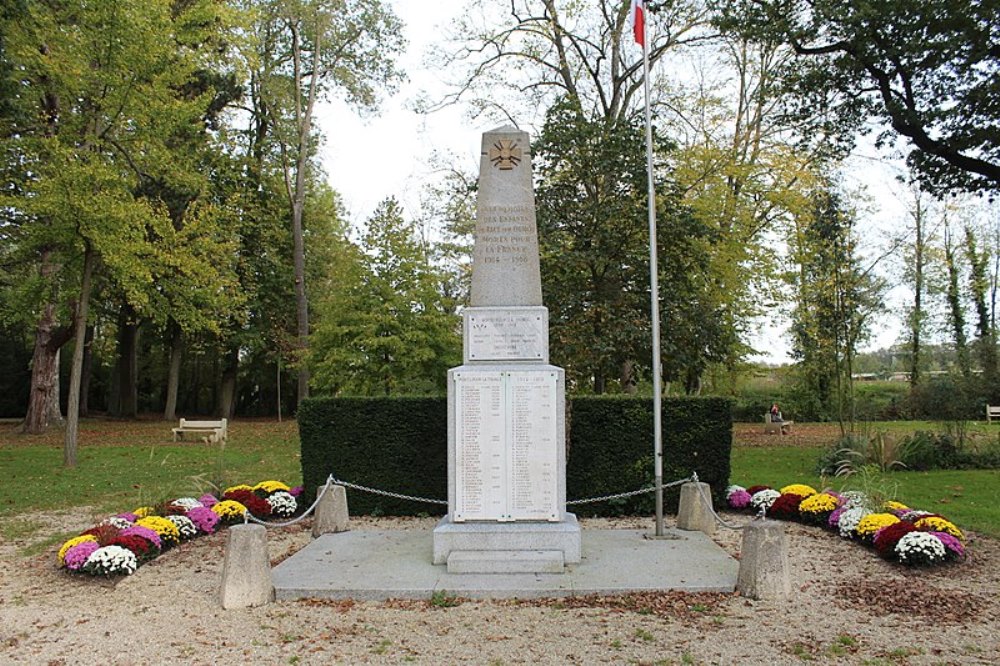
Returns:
point(533, 470)
point(480, 456)
point(506, 454)
point(507, 335)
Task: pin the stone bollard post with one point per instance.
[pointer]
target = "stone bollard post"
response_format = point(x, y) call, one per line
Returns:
point(246, 572)
point(331, 512)
point(764, 561)
point(695, 511)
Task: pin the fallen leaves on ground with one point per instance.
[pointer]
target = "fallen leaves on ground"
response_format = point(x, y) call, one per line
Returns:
point(910, 597)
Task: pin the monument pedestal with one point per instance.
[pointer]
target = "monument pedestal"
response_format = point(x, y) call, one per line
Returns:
point(506, 404)
point(521, 547)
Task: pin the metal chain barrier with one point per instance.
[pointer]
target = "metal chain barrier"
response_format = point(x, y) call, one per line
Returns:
point(707, 501)
point(641, 491)
point(331, 480)
point(250, 518)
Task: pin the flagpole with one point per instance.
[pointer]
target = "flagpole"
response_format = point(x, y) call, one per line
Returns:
point(654, 292)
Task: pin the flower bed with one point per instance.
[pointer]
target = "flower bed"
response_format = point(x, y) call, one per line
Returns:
point(119, 544)
point(896, 532)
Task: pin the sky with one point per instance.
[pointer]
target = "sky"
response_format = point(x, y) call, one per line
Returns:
point(369, 159)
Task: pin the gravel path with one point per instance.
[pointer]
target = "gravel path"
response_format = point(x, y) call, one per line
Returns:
point(848, 607)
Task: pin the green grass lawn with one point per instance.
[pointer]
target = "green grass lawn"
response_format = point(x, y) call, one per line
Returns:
point(122, 465)
point(970, 498)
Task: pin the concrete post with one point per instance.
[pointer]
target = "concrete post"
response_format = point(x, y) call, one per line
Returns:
point(764, 561)
point(695, 510)
point(246, 571)
point(331, 512)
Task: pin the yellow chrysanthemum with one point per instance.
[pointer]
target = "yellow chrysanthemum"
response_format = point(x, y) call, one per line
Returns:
point(819, 503)
point(229, 509)
point(73, 542)
point(241, 486)
point(162, 526)
point(938, 524)
point(873, 522)
point(271, 487)
point(892, 505)
point(798, 489)
point(144, 511)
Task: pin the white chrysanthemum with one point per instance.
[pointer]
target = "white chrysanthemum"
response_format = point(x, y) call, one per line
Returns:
point(914, 515)
point(111, 560)
point(855, 498)
point(117, 522)
point(282, 503)
point(920, 548)
point(733, 489)
point(185, 526)
point(849, 519)
point(764, 499)
point(187, 502)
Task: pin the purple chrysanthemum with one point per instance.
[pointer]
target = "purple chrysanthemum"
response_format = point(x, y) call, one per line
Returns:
point(78, 554)
point(739, 499)
point(204, 519)
point(951, 544)
point(295, 492)
point(208, 500)
point(130, 517)
point(145, 533)
point(834, 518)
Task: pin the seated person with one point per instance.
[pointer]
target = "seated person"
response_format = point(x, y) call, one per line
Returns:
point(775, 413)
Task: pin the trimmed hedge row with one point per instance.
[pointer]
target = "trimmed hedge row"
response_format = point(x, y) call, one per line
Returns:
point(400, 444)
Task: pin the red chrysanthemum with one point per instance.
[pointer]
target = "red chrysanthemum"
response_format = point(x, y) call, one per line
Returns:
point(142, 548)
point(104, 534)
point(753, 490)
point(786, 507)
point(887, 538)
point(257, 506)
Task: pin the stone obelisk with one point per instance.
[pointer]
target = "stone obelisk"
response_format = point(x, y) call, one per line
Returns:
point(506, 403)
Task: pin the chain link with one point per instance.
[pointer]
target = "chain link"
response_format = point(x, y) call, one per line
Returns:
point(707, 501)
point(248, 517)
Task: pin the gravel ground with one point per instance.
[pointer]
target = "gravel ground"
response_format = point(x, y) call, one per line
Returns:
point(848, 607)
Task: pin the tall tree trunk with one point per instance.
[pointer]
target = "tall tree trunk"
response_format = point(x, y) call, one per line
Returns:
point(955, 312)
point(226, 405)
point(76, 371)
point(55, 406)
point(174, 373)
point(917, 316)
point(628, 377)
point(49, 338)
point(127, 369)
point(88, 362)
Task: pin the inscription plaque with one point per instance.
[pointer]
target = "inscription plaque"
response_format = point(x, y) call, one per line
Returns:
point(506, 459)
point(507, 336)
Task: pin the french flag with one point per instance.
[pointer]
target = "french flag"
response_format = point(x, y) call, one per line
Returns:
point(637, 17)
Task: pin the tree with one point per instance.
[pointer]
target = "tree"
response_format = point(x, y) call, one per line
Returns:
point(103, 93)
point(927, 70)
point(385, 329)
point(306, 50)
point(527, 54)
point(986, 345)
point(835, 299)
point(956, 310)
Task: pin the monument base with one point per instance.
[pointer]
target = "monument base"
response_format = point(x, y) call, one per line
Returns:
point(497, 547)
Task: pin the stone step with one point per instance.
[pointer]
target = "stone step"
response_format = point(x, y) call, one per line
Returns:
point(506, 561)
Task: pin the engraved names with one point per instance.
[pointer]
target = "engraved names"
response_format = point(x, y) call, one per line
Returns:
point(506, 458)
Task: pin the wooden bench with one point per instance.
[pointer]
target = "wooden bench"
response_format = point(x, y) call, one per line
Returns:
point(992, 412)
point(771, 427)
point(216, 430)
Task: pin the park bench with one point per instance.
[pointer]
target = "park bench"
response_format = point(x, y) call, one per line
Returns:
point(215, 430)
point(992, 412)
point(770, 427)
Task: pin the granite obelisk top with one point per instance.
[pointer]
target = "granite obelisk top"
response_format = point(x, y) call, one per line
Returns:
point(505, 259)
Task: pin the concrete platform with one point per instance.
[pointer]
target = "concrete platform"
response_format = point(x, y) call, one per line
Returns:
point(382, 564)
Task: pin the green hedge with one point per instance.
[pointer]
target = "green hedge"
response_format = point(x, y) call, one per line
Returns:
point(400, 444)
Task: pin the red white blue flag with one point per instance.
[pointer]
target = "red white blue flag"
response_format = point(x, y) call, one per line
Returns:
point(637, 17)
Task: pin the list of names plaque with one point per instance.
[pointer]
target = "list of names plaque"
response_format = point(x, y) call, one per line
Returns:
point(506, 458)
point(507, 336)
